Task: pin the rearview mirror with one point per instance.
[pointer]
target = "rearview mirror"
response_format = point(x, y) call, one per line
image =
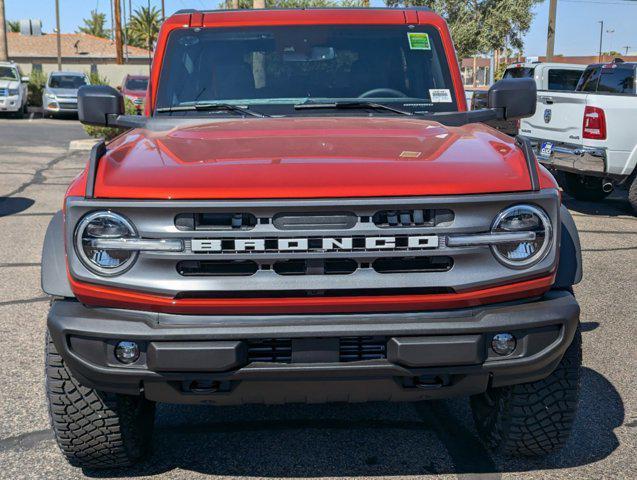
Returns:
point(24, 79)
point(99, 105)
point(513, 98)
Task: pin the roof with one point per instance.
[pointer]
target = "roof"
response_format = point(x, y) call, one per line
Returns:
point(190, 11)
point(78, 45)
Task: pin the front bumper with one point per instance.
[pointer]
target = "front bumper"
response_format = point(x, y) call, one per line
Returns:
point(573, 158)
point(57, 106)
point(206, 359)
point(10, 104)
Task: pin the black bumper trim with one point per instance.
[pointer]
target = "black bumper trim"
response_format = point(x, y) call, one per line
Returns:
point(553, 319)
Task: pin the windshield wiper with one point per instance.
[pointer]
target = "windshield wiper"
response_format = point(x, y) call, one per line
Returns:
point(352, 105)
point(208, 107)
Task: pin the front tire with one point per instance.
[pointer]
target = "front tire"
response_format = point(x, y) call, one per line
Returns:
point(532, 419)
point(92, 428)
point(632, 194)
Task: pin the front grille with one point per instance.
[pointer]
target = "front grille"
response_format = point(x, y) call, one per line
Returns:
point(412, 218)
point(271, 350)
point(355, 349)
point(67, 105)
point(4, 92)
point(215, 221)
point(350, 349)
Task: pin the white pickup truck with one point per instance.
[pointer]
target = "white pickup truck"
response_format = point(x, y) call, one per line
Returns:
point(554, 77)
point(590, 135)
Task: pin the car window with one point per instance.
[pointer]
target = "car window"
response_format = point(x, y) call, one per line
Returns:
point(287, 65)
point(617, 79)
point(137, 84)
point(519, 72)
point(588, 80)
point(66, 81)
point(563, 80)
point(9, 73)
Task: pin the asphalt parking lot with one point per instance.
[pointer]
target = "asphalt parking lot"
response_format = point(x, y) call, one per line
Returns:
point(427, 440)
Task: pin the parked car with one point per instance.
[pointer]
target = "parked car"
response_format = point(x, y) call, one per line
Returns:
point(13, 89)
point(551, 77)
point(134, 88)
point(590, 136)
point(60, 92)
point(297, 221)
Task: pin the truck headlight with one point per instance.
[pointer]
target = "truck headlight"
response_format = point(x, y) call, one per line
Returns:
point(522, 218)
point(99, 226)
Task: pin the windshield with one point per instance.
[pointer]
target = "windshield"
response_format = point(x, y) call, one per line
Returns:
point(67, 81)
point(9, 73)
point(519, 72)
point(280, 67)
point(137, 84)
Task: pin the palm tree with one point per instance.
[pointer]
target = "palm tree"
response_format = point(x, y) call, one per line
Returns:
point(144, 27)
point(13, 26)
point(96, 25)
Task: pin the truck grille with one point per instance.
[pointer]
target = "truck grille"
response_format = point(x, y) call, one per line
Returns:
point(4, 92)
point(350, 349)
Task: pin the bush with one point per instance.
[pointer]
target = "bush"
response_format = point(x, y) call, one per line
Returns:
point(37, 80)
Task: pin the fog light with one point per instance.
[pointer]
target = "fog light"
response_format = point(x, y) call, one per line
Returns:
point(503, 343)
point(127, 352)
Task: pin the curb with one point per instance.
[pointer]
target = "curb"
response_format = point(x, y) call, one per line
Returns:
point(83, 144)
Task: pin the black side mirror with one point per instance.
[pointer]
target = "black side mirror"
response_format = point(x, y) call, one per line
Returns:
point(99, 105)
point(513, 98)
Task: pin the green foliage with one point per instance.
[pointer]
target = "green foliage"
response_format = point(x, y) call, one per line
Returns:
point(37, 80)
point(95, 25)
point(13, 26)
point(110, 133)
point(94, 78)
point(481, 25)
point(499, 71)
point(143, 27)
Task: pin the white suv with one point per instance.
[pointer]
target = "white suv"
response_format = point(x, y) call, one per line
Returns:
point(13, 89)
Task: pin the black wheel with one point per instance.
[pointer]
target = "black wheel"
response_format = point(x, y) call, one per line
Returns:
point(583, 188)
point(532, 419)
point(94, 429)
point(632, 194)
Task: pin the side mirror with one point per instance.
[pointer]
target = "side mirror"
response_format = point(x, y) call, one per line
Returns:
point(99, 105)
point(24, 79)
point(513, 98)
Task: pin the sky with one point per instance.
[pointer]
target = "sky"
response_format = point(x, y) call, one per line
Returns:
point(577, 29)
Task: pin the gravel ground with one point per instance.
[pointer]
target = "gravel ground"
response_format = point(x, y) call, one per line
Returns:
point(428, 440)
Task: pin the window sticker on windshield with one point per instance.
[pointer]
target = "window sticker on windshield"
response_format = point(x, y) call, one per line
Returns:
point(418, 41)
point(440, 95)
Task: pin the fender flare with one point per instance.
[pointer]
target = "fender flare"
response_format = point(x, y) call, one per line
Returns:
point(53, 274)
point(569, 270)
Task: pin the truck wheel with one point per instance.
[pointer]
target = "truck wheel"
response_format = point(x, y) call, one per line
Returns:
point(532, 419)
point(94, 429)
point(632, 194)
point(583, 188)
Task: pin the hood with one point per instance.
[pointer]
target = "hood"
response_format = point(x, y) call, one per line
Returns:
point(311, 158)
point(63, 92)
point(9, 84)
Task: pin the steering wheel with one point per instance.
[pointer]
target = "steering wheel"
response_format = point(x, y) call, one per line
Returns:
point(383, 92)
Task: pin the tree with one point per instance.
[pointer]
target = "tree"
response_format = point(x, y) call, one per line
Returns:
point(13, 26)
point(479, 26)
point(95, 25)
point(144, 27)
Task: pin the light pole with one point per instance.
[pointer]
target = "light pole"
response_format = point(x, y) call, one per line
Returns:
point(601, 35)
point(550, 34)
point(58, 34)
point(4, 49)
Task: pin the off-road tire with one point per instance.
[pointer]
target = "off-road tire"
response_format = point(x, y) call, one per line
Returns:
point(632, 194)
point(532, 419)
point(94, 429)
point(588, 189)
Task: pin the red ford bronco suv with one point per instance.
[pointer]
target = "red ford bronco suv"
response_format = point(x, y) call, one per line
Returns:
point(308, 213)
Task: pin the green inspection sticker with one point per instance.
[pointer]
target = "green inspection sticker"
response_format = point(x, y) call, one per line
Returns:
point(418, 41)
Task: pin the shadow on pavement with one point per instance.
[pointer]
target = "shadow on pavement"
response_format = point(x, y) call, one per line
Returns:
point(612, 206)
point(346, 440)
point(13, 205)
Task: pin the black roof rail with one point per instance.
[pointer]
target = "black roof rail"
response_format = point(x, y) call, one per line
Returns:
point(185, 11)
point(218, 10)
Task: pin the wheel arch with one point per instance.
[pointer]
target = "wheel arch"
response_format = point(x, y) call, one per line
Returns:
point(569, 270)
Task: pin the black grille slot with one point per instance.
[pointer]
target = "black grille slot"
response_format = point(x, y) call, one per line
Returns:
point(220, 268)
point(354, 349)
point(215, 221)
point(412, 218)
point(412, 264)
point(272, 350)
point(315, 221)
point(330, 266)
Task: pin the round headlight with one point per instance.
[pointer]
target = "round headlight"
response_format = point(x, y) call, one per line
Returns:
point(104, 225)
point(522, 218)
